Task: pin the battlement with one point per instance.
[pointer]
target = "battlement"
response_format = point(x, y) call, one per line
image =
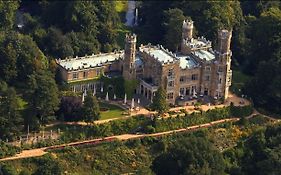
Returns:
point(131, 38)
point(224, 34)
point(224, 40)
point(187, 24)
point(89, 61)
point(159, 53)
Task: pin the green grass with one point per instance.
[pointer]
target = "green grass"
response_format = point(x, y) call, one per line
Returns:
point(121, 6)
point(113, 112)
point(239, 80)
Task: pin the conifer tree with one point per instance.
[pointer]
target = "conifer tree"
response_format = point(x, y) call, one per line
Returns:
point(159, 101)
point(91, 109)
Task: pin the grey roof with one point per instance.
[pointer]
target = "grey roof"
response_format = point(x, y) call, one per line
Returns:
point(204, 55)
point(159, 53)
point(187, 62)
point(90, 61)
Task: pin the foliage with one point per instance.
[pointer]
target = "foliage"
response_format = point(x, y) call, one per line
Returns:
point(8, 150)
point(43, 96)
point(189, 156)
point(48, 166)
point(260, 154)
point(70, 108)
point(90, 109)
point(8, 14)
point(20, 59)
point(241, 111)
point(159, 101)
point(113, 85)
point(10, 118)
point(130, 86)
point(173, 28)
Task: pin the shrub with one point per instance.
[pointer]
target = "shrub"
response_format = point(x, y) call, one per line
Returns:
point(241, 111)
point(8, 150)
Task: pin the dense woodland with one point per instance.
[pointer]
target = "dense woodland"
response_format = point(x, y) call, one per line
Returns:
point(35, 33)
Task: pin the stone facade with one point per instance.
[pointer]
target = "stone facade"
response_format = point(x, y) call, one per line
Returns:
point(196, 71)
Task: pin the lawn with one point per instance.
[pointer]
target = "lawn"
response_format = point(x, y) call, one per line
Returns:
point(112, 112)
point(239, 80)
point(121, 6)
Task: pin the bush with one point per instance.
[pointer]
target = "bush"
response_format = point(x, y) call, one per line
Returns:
point(7, 170)
point(149, 129)
point(48, 165)
point(241, 111)
point(8, 150)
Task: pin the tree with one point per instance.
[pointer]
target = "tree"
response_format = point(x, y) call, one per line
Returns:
point(70, 108)
point(48, 166)
point(80, 16)
point(10, 118)
point(91, 109)
point(20, 56)
point(8, 59)
point(173, 28)
point(190, 156)
point(8, 14)
point(57, 44)
point(43, 97)
point(160, 101)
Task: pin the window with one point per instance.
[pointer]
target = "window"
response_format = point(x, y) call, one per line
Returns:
point(220, 69)
point(182, 79)
point(220, 81)
point(85, 74)
point(182, 91)
point(171, 84)
point(208, 68)
point(75, 75)
point(194, 77)
point(170, 95)
point(98, 72)
point(207, 78)
point(170, 72)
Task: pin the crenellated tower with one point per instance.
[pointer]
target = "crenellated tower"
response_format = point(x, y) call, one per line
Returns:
point(187, 35)
point(187, 30)
point(129, 71)
point(223, 63)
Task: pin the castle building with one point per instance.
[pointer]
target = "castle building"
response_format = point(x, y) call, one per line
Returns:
point(195, 72)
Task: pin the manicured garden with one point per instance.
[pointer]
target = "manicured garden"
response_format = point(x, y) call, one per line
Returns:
point(109, 111)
